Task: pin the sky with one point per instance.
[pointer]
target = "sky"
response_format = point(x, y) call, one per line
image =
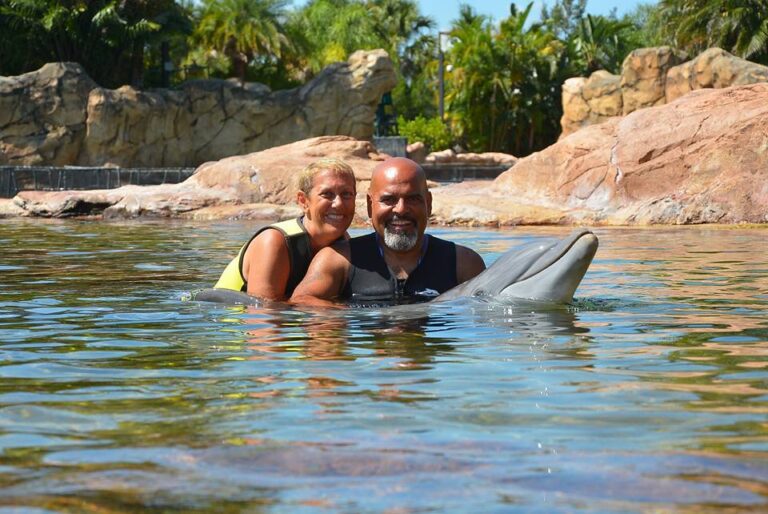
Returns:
point(444, 11)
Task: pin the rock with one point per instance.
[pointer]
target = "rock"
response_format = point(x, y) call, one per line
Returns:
point(471, 159)
point(602, 93)
point(590, 101)
point(447, 155)
point(416, 152)
point(644, 74)
point(9, 209)
point(700, 159)
point(46, 119)
point(42, 115)
point(257, 185)
point(650, 77)
point(713, 68)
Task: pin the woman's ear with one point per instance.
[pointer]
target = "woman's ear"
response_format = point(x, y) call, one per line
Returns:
point(303, 201)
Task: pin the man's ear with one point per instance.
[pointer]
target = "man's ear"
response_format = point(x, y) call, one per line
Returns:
point(369, 201)
point(429, 203)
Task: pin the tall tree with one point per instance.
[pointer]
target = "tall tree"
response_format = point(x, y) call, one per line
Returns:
point(503, 93)
point(106, 37)
point(564, 18)
point(243, 30)
point(601, 43)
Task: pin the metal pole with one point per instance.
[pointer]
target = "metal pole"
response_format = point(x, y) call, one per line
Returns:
point(441, 80)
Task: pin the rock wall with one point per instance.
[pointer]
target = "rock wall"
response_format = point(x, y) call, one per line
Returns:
point(702, 158)
point(58, 116)
point(650, 77)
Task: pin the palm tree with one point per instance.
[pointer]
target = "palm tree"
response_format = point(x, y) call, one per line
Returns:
point(738, 26)
point(106, 37)
point(503, 94)
point(602, 43)
point(243, 30)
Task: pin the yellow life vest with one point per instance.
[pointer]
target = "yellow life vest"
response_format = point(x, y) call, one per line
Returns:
point(299, 252)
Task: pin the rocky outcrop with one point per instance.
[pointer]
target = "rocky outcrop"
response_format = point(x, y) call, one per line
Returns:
point(700, 159)
point(590, 101)
point(644, 77)
point(650, 77)
point(257, 185)
point(43, 115)
point(714, 68)
point(57, 116)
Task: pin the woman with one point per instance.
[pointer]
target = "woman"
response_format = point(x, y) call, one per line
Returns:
point(272, 263)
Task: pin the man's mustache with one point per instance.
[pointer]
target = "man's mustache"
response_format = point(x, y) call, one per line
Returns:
point(400, 218)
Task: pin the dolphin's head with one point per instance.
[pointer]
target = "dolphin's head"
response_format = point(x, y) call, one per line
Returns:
point(548, 270)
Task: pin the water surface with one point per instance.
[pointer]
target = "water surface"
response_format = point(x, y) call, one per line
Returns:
point(649, 394)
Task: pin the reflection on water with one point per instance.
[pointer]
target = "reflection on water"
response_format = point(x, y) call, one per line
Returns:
point(649, 394)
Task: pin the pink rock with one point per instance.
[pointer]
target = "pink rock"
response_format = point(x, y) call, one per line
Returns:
point(700, 159)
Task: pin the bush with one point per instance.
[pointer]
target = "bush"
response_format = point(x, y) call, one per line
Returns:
point(430, 131)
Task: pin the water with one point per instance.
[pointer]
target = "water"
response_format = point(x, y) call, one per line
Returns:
point(650, 394)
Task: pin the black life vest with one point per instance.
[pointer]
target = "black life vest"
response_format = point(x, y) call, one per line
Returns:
point(370, 281)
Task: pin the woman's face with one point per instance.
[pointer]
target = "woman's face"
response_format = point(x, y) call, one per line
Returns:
point(329, 207)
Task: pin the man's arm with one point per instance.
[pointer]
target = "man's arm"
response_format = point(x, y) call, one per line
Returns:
point(325, 277)
point(469, 264)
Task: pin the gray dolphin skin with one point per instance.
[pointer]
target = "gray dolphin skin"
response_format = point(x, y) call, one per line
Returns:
point(546, 270)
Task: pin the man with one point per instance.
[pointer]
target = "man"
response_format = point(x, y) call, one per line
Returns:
point(398, 262)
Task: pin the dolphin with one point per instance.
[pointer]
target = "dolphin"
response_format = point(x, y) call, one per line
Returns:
point(546, 270)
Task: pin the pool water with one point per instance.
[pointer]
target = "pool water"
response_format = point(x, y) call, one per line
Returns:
point(648, 394)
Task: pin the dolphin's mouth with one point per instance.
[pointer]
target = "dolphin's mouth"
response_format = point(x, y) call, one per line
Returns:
point(557, 252)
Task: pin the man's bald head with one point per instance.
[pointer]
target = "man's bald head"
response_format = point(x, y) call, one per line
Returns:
point(398, 169)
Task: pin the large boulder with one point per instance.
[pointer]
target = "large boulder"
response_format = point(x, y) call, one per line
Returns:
point(700, 159)
point(57, 116)
point(712, 68)
point(644, 76)
point(256, 185)
point(43, 115)
point(650, 77)
point(590, 101)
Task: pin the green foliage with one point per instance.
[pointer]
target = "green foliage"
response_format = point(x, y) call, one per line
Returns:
point(502, 80)
point(108, 38)
point(564, 18)
point(430, 131)
point(504, 91)
point(738, 26)
point(602, 43)
point(246, 32)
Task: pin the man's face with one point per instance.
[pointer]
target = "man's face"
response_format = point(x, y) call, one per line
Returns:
point(399, 205)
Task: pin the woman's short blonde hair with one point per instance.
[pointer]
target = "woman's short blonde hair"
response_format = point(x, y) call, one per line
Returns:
point(306, 178)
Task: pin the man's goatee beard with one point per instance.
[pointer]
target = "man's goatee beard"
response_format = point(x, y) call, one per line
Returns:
point(398, 241)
